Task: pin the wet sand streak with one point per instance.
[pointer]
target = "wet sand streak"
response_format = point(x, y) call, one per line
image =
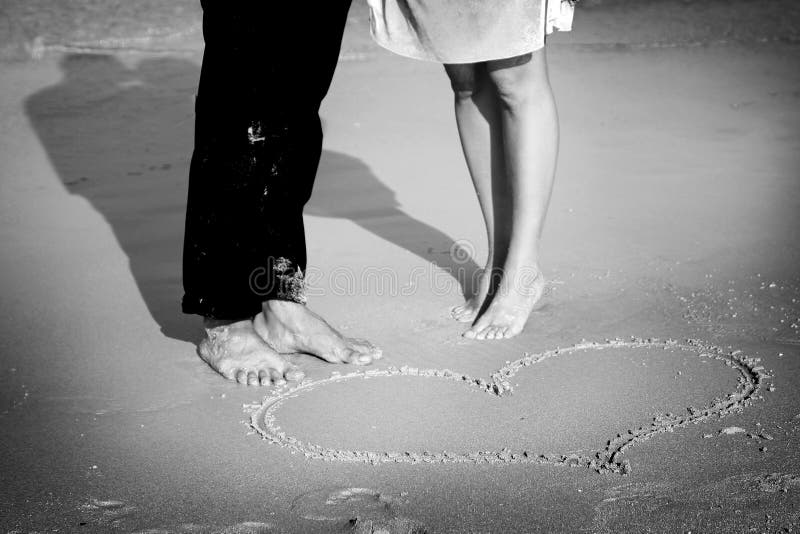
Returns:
point(606, 460)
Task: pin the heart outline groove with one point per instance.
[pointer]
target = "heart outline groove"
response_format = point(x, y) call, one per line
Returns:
point(608, 459)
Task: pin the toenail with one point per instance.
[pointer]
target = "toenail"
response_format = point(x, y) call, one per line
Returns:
point(294, 375)
point(275, 375)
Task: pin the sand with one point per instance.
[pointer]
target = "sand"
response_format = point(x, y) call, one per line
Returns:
point(674, 217)
point(264, 418)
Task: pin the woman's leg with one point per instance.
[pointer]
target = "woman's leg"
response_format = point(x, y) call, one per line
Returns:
point(480, 128)
point(530, 139)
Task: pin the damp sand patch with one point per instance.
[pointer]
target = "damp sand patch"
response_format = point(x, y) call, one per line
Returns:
point(493, 395)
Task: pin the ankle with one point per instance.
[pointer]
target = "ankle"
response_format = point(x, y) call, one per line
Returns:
point(525, 261)
point(210, 323)
point(280, 307)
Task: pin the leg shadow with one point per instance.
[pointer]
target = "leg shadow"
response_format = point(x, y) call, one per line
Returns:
point(346, 188)
point(121, 138)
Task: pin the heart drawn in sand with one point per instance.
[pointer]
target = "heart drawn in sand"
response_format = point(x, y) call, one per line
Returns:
point(263, 419)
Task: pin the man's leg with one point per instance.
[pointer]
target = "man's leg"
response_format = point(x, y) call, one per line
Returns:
point(246, 185)
point(257, 146)
point(285, 323)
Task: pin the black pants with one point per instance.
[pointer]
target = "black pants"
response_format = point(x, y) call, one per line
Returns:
point(267, 66)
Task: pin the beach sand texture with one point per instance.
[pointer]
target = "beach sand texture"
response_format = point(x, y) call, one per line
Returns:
point(674, 218)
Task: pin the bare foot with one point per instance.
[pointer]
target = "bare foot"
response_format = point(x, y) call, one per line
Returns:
point(467, 312)
point(289, 327)
point(512, 304)
point(236, 351)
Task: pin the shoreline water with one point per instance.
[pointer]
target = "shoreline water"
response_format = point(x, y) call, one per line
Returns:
point(34, 28)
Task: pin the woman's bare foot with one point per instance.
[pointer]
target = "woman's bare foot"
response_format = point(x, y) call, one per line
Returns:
point(236, 351)
point(516, 297)
point(467, 312)
point(289, 327)
point(530, 145)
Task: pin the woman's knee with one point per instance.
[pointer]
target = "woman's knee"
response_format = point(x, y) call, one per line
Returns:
point(519, 79)
point(463, 79)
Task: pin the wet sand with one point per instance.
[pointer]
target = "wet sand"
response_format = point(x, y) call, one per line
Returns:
point(674, 217)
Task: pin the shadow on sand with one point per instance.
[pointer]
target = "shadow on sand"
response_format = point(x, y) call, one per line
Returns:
point(121, 137)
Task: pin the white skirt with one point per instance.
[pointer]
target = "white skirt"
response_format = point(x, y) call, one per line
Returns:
point(466, 31)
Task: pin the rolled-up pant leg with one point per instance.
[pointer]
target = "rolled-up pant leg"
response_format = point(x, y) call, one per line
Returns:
point(258, 139)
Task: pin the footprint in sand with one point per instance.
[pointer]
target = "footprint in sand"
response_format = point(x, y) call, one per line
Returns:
point(356, 510)
point(106, 512)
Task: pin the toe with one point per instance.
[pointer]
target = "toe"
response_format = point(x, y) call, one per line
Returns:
point(229, 373)
point(361, 359)
point(263, 378)
point(461, 313)
point(480, 334)
point(469, 334)
point(466, 318)
point(293, 374)
point(357, 358)
point(252, 378)
point(241, 376)
point(277, 377)
point(365, 348)
point(478, 328)
point(464, 314)
point(490, 332)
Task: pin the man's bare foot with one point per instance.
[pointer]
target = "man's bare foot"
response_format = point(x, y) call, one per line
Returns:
point(467, 312)
point(289, 327)
point(237, 352)
point(512, 304)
